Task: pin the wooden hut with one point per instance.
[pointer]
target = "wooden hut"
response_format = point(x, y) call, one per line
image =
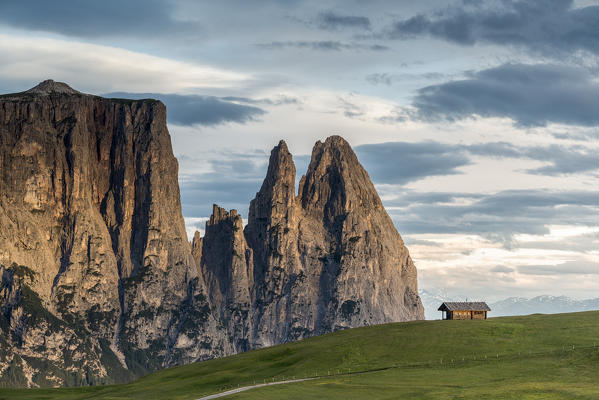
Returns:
point(464, 310)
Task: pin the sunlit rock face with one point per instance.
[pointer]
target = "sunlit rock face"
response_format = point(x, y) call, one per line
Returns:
point(99, 283)
point(328, 258)
point(98, 279)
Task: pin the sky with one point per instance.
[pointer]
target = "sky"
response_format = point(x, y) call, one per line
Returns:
point(477, 120)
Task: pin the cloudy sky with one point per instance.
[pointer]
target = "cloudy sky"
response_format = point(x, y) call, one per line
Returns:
point(478, 120)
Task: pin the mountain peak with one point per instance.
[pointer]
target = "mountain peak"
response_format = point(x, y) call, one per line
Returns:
point(336, 141)
point(277, 192)
point(282, 146)
point(335, 178)
point(49, 86)
point(281, 170)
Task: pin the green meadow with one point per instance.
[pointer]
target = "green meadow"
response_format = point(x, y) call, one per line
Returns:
point(529, 357)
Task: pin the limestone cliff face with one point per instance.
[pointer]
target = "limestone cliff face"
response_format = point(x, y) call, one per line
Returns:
point(227, 267)
point(374, 278)
point(329, 258)
point(98, 283)
point(282, 303)
point(90, 210)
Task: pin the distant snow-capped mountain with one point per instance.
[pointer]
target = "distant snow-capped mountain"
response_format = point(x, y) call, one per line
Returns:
point(432, 299)
point(546, 304)
point(541, 304)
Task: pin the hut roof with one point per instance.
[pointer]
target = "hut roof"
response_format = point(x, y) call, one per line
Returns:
point(464, 306)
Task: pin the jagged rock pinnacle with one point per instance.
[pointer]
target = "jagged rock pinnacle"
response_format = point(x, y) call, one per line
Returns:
point(329, 258)
point(91, 183)
point(49, 86)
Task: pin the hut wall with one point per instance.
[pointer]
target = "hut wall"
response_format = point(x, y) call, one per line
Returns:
point(460, 315)
point(479, 315)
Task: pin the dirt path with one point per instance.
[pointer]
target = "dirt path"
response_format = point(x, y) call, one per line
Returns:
point(243, 389)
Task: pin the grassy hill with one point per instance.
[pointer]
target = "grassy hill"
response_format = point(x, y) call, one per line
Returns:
point(530, 357)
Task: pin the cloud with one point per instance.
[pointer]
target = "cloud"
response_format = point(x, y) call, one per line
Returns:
point(96, 69)
point(583, 243)
point(380, 79)
point(195, 224)
point(229, 179)
point(90, 19)
point(199, 110)
point(402, 162)
point(497, 216)
point(531, 95)
point(549, 26)
point(332, 21)
point(409, 197)
point(198, 193)
point(466, 283)
point(563, 160)
point(232, 179)
point(577, 267)
point(502, 269)
point(388, 79)
point(321, 45)
point(280, 100)
point(350, 108)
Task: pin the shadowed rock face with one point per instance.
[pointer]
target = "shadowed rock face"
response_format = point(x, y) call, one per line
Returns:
point(329, 258)
point(90, 208)
point(227, 267)
point(98, 283)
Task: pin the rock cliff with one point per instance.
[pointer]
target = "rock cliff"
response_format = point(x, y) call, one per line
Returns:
point(329, 258)
point(99, 283)
point(226, 264)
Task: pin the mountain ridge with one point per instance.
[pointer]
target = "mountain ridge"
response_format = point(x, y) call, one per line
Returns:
point(100, 283)
point(511, 306)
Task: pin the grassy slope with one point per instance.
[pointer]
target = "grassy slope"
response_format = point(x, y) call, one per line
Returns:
point(526, 358)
